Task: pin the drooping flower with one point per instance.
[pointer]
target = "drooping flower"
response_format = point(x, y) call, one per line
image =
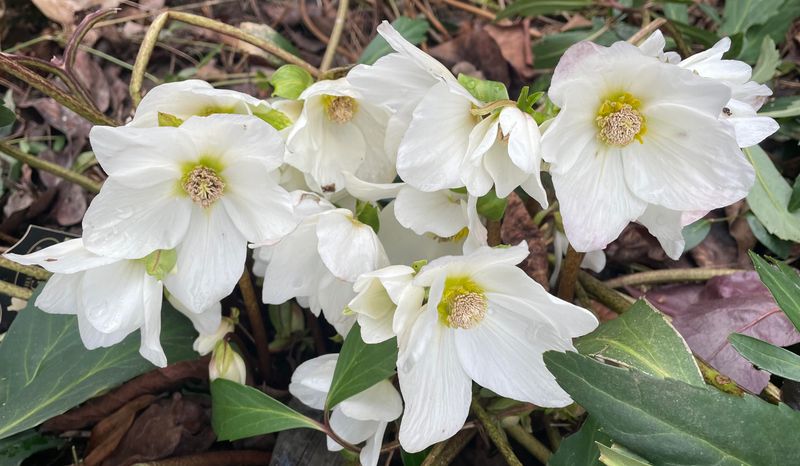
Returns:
point(319, 261)
point(485, 320)
point(111, 298)
point(205, 188)
point(206, 342)
point(226, 364)
point(638, 139)
point(362, 417)
point(440, 143)
point(338, 131)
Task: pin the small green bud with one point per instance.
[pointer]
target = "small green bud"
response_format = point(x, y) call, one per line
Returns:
point(289, 81)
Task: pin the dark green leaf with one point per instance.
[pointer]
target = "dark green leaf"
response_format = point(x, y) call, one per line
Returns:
point(414, 459)
point(15, 449)
point(702, 36)
point(289, 81)
point(782, 107)
point(775, 27)
point(491, 206)
point(794, 199)
point(779, 247)
point(413, 30)
point(671, 423)
point(548, 51)
point(45, 369)
point(368, 214)
point(768, 61)
point(7, 116)
point(618, 456)
point(541, 7)
point(239, 411)
point(767, 356)
point(643, 338)
point(769, 197)
point(580, 448)
point(783, 283)
point(482, 89)
point(360, 366)
point(695, 233)
point(739, 15)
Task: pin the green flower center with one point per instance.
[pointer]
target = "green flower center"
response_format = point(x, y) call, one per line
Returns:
point(463, 304)
point(339, 108)
point(203, 184)
point(619, 120)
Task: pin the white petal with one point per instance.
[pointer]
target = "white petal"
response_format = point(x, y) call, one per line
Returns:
point(378, 165)
point(396, 72)
point(506, 175)
point(403, 246)
point(312, 379)
point(482, 140)
point(232, 138)
point(349, 429)
point(210, 260)
point(371, 192)
point(206, 322)
point(752, 130)
point(380, 402)
point(437, 212)
point(594, 261)
point(112, 296)
point(477, 235)
point(374, 311)
point(348, 248)
point(371, 452)
point(294, 266)
point(62, 258)
point(421, 59)
point(436, 142)
point(573, 132)
point(60, 294)
point(150, 347)
point(131, 223)
point(661, 83)
point(332, 297)
point(653, 45)
point(436, 390)
point(667, 226)
point(688, 161)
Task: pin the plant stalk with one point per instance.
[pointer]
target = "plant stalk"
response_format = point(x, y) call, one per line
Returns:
point(652, 277)
point(65, 173)
point(495, 433)
point(530, 443)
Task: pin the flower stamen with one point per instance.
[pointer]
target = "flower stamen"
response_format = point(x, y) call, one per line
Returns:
point(463, 304)
point(620, 121)
point(339, 108)
point(203, 185)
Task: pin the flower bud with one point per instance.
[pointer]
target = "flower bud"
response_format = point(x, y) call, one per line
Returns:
point(226, 364)
point(205, 343)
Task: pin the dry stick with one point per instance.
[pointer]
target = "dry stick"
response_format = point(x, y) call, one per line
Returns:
point(73, 45)
point(15, 291)
point(336, 36)
point(33, 272)
point(531, 443)
point(257, 323)
point(217, 458)
point(471, 8)
point(494, 232)
point(150, 38)
point(496, 434)
point(569, 274)
point(668, 276)
point(646, 31)
point(58, 170)
point(444, 453)
point(615, 301)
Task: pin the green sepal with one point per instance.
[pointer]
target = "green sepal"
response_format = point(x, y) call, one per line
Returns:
point(289, 81)
point(491, 206)
point(368, 214)
point(160, 262)
point(276, 118)
point(166, 119)
point(526, 101)
point(482, 89)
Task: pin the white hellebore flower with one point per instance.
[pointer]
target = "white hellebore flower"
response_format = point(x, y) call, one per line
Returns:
point(112, 298)
point(592, 260)
point(440, 143)
point(362, 417)
point(338, 132)
point(226, 364)
point(638, 139)
point(487, 321)
point(319, 261)
point(746, 96)
point(206, 189)
point(193, 97)
point(206, 342)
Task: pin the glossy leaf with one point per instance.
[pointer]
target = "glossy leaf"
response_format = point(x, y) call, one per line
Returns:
point(768, 61)
point(483, 89)
point(491, 206)
point(782, 107)
point(289, 81)
point(413, 30)
point(668, 422)
point(580, 448)
point(695, 233)
point(541, 7)
point(769, 197)
point(783, 283)
point(618, 456)
point(767, 356)
point(7, 116)
point(239, 411)
point(643, 338)
point(739, 15)
point(779, 247)
point(45, 369)
point(17, 448)
point(360, 366)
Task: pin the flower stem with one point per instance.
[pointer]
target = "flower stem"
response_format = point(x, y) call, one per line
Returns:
point(530, 443)
point(615, 300)
point(33, 272)
point(256, 324)
point(668, 276)
point(569, 274)
point(15, 291)
point(65, 173)
point(444, 453)
point(493, 232)
point(495, 433)
point(336, 35)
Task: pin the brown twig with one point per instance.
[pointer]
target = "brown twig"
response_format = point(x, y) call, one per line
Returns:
point(495, 433)
point(668, 276)
point(493, 232)
point(315, 31)
point(445, 452)
point(336, 35)
point(58, 170)
point(646, 31)
point(569, 274)
point(256, 323)
point(471, 9)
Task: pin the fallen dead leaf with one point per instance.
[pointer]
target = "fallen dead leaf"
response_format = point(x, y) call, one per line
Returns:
point(108, 433)
point(517, 226)
point(515, 45)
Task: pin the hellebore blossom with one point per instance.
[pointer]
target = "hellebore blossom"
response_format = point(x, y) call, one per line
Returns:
point(318, 262)
point(338, 132)
point(484, 320)
point(362, 417)
point(226, 364)
point(206, 342)
point(638, 139)
point(205, 189)
point(439, 141)
point(111, 297)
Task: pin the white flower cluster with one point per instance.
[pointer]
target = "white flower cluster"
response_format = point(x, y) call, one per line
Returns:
point(361, 201)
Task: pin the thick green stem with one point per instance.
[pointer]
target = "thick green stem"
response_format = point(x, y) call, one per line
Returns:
point(15, 291)
point(444, 453)
point(496, 434)
point(530, 443)
point(33, 272)
point(58, 170)
point(615, 301)
point(653, 277)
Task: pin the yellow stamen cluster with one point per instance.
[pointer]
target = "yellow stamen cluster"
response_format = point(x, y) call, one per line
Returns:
point(463, 304)
point(339, 108)
point(203, 185)
point(619, 120)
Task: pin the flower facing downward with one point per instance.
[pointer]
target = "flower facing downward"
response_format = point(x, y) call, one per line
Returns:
point(638, 139)
point(226, 364)
point(484, 320)
point(362, 417)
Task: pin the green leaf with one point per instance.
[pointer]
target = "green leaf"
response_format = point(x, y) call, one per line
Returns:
point(767, 356)
point(739, 15)
point(580, 448)
point(413, 30)
point(677, 12)
point(794, 199)
point(541, 7)
point(491, 206)
point(289, 81)
point(775, 27)
point(368, 214)
point(695, 233)
point(7, 116)
point(17, 448)
point(782, 107)
point(45, 369)
point(783, 283)
point(276, 118)
point(482, 89)
point(703, 36)
point(768, 61)
point(779, 247)
point(643, 338)
point(618, 456)
point(769, 197)
point(360, 366)
point(414, 459)
point(549, 49)
point(669, 422)
point(239, 411)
